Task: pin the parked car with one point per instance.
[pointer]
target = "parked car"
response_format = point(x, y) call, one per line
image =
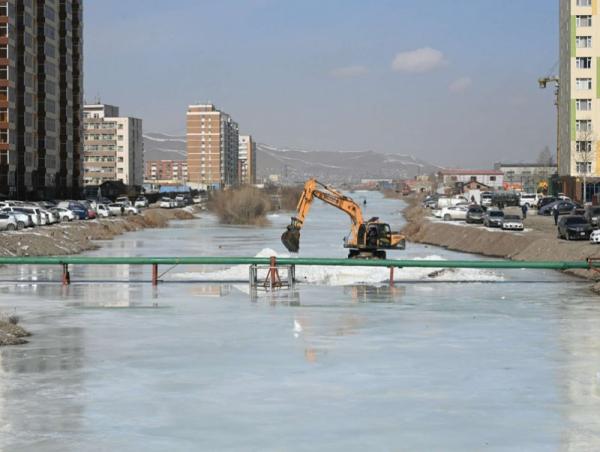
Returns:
point(23, 220)
point(20, 216)
point(35, 214)
point(430, 201)
point(64, 214)
point(449, 202)
point(80, 210)
point(166, 203)
point(528, 199)
point(475, 214)
point(103, 211)
point(131, 210)
point(92, 214)
point(545, 200)
point(7, 222)
point(123, 200)
point(564, 208)
point(595, 236)
point(574, 227)
point(512, 223)
point(50, 217)
point(116, 209)
point(141, 202)
point(454, 213)
point(493, 218)
point(592, 215)
point(486, 198)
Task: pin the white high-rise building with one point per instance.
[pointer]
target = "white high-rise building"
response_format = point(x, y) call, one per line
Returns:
point(247, 160)
point(113, 147)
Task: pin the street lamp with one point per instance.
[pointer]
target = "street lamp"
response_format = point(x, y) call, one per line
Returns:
point(543, 83)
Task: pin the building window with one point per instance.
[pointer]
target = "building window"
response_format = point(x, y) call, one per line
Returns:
point(583, 42)
point(583, 146)
point(3, 30)
point(583, 62)
point(583, 21)
point(4, 9)
point(3, 51)
point(584, 167)
point(584, 2)
point(3, 114)
point(583, 104)
point(584, 125)
point(583, 83)
point(493, 178)
point(4, 136)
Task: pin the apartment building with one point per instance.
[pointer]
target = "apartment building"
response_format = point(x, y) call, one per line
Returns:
point(247, 160)
point(166, 172)
point(41, 98)
point(113, 147)
point(212, 147)
point(579, 95)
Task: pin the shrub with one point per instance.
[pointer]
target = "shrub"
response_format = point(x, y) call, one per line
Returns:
point(246, 205)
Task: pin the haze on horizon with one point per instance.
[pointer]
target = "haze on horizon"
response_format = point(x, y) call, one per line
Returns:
point(452, 82)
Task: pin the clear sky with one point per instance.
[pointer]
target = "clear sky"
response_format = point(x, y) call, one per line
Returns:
point(450, 81)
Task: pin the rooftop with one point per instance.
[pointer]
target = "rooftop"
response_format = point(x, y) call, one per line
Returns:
point(470, 172)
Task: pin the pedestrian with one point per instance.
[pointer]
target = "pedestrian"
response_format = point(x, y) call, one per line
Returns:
point(524, 210)
point(555, 213)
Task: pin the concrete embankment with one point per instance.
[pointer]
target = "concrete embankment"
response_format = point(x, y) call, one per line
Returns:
point(78, 236)
point(532, 245)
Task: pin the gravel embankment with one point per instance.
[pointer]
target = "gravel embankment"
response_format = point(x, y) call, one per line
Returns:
point(539, 242)
point(78, 236)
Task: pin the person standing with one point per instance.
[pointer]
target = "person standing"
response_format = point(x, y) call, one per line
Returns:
point(555, 213)
point(524, 210)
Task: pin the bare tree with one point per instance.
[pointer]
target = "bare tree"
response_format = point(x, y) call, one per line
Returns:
point(545, 157)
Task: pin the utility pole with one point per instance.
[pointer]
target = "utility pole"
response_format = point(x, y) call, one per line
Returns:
point(543, 83)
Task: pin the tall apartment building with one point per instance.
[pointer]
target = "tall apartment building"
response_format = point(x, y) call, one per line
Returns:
point(166, 172)
point(579, 96)
point(247, 160)
point(113, 147)
point(41, 98)
point(212, 147)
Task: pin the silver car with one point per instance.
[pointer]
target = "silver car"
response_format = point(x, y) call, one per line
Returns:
point(7, 222)
point(23, 219)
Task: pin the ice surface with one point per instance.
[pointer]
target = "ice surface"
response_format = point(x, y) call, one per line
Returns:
point(345, 362)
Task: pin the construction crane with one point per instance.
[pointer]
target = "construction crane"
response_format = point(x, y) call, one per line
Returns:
point(367, 239)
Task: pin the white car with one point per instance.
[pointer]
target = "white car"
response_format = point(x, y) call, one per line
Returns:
point(123, 200)
point(116, 209)
point(595, 236)
point(454, 213)
point(141, 202)
point(65, 214)
point(103, 211)
point(167, 203)
point(131, 210)
point(529, 199)
point(7, 222)
point(512, 223)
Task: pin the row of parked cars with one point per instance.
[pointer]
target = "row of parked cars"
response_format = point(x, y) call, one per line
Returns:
point(179, 201)
point(17, 215)
point(474, 213)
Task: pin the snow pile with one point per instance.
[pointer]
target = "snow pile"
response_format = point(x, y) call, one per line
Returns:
point(341, 276)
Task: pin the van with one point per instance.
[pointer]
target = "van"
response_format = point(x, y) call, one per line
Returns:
point(528, 199)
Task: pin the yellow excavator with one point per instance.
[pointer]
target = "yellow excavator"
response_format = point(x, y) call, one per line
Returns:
point(367, 239)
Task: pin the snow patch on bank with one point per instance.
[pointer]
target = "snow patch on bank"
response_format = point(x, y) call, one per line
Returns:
point(342, 276)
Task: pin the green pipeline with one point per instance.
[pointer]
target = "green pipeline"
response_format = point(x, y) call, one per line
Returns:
point(301, 261)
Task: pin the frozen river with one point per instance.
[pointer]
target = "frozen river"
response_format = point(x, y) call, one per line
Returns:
point(465, 360)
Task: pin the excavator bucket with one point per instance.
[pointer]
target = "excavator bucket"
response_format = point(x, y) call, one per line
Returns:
point(291, 239)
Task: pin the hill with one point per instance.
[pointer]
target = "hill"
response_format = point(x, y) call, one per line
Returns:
point(298, 165)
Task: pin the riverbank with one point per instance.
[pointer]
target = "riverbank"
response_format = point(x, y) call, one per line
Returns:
point(79, 236)
point(537, 243)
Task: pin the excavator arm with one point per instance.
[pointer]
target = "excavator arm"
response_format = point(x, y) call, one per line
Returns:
point(314, 189)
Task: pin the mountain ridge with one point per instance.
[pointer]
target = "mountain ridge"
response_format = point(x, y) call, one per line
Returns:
point(297, 165)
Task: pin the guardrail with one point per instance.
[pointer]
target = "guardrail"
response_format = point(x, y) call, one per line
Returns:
point(589, 264)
